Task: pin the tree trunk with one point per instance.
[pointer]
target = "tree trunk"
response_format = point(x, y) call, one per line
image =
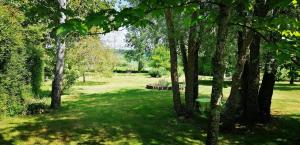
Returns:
point(266, 90)
point(60, 53)
point(292, 74)
point(244, 88)
point(268, 82)
point(251, 112)
point(83, 77)
point(140, 66)
point(173, 60)
point(189, 89)
point(234, 100)
point(196, 80)
point(183, 56)
point(218, 75)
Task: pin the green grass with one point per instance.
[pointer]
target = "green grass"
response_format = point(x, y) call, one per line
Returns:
point(119, 110)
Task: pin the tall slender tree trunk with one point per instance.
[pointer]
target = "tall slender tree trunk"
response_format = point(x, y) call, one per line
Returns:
point(196, 80)
point(218, 75)
point(140, 66)
point(183, 56)
point(60, 53)
point(83, 77)
point(173, 60)
point(192, 48)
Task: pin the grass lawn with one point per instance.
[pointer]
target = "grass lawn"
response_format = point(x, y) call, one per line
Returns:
point(119, 110)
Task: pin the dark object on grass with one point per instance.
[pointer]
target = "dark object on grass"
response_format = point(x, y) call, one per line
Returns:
point(36, 108)
point(130, 71)
point(158, 87)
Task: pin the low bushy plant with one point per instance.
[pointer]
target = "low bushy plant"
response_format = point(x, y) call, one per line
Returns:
point(157, 72)
point(36, 106)
point(70, 77)
point(164, 83)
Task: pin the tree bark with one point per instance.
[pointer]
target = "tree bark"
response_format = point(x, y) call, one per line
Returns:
point(60, 53)
point(218, 75)
point(83, 77)
point(233, 102)
point(173, 60)
point(251, 112)
point(292, 74)
point(183, 56)
point(266, 90)
point(196, 80)
point(191, 59)
point(140, 66)
point(268, 82)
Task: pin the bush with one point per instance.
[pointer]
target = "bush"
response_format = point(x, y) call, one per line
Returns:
point(11, 105)
point(36, 108)
point(282, 74)
point(70, 77)
point(157, 73)
point(37, 70)
point(160, 58)
point(164, 83)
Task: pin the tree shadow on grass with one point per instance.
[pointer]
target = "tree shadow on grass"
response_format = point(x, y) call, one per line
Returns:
point(209, 83)
point(283, 129)
point(4, 142)
point(123, 117)
point(44, 93)
point(286, 87)
point(133, 117)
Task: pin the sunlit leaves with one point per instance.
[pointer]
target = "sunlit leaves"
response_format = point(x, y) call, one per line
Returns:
point(290, 33)
point(73, 25)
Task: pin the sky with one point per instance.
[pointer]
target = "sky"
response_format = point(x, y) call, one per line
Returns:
point(116, 39)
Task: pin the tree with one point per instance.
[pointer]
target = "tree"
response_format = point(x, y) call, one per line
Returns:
point(60, 53)
point(88, 54)
point(244, 38)
point(191, 81)
point(251, 112)
point(173, 59)
point(218, 74)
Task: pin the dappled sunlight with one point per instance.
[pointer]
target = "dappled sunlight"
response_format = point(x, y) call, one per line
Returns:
point(140, 116)
point(125, 116)
point(283, 129)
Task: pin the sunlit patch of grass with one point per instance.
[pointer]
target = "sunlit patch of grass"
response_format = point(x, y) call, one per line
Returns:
point(89, 83)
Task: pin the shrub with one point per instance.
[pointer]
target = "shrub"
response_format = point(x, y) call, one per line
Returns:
point(70, 77)
point(164, 83)
point(157, 73)
point(36, 108)
point(282, 74)
point(37, 70)
point(160, 58)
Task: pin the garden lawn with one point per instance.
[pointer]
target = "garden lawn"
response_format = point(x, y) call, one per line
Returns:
point(119, 110)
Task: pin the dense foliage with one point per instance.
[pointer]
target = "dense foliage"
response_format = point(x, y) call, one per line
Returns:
point(13, 71)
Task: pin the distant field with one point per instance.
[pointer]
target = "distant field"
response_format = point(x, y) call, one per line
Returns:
point(119, 110)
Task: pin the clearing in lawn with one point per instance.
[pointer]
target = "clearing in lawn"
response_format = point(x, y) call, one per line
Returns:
point(119, 110)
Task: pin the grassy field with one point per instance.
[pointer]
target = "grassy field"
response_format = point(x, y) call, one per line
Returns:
point(119, 110)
